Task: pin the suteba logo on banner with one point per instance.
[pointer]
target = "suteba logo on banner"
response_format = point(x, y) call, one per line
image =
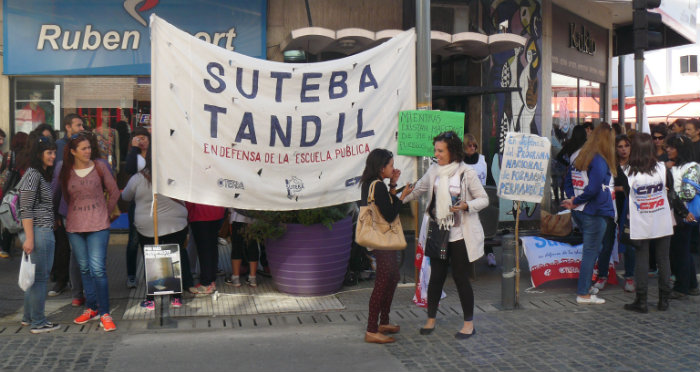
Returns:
point(294, 187)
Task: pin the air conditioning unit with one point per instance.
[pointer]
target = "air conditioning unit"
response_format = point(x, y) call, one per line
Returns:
point(689, 65)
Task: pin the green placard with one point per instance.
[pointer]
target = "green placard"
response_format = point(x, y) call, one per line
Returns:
point(417, 128)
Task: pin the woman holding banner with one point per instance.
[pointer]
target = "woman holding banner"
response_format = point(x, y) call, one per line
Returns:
point(83, 185)
point(650, 219)
point(587, 186)
point(379, 166)
point(457, 196)
point(172, 225)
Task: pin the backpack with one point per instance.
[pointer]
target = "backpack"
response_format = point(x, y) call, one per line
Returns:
point(9, 209)
point(9, 212)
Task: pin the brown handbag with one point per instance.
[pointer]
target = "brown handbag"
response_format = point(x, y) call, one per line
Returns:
point(374, 232)
point(555, 224)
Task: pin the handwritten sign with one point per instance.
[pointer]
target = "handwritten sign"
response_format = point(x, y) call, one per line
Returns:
point(417, 128)
point(524, 167)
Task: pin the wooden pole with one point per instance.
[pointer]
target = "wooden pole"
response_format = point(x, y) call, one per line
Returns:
point(155, 219)
point(416, 226)
point(517, 254)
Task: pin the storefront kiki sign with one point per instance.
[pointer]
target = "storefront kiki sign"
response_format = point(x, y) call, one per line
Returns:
point(111, 37)
point(581, 41)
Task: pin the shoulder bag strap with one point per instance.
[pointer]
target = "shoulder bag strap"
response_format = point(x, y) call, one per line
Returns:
point(370, 193)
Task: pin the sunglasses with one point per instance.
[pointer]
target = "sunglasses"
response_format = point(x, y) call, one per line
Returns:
point(82, 134)
point(658, 138)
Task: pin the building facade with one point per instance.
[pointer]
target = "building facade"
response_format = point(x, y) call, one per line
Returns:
point(550, 71)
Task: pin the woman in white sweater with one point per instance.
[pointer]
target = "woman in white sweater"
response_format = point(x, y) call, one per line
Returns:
point(172, 225)
point(457, 196)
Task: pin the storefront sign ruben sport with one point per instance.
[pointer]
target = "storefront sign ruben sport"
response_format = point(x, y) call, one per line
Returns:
point(111, 37)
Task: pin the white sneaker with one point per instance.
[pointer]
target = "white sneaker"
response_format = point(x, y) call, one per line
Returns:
point(491, 259)
point(593, 290)
point(600, 283)
point(629, 285)
point(593, 300)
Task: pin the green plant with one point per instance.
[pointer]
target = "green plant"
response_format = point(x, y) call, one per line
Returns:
point(272, 224)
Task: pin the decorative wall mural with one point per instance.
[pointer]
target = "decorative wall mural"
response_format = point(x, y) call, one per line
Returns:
point(519, 110)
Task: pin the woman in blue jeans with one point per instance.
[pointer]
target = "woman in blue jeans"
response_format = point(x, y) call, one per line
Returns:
point(36, 214)
point(588, 186)
point(622, 150)
point(84, 181)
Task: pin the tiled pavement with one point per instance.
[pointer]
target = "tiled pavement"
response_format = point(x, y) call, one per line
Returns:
point(549, 332)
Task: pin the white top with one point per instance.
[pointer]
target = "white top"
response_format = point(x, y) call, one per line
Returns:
point(480, 168)
point(649, 211)
point(237, 217)
point(172, 215)
point(455, 231)
point(85, 171)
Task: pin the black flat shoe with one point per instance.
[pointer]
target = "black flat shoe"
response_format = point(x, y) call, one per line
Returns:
point(464, 336)
point(426, 331)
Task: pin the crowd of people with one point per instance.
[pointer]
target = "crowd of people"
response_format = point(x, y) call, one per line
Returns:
point(68, 199)
point(640, 189)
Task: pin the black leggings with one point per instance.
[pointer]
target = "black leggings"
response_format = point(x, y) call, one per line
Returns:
point(457, 254)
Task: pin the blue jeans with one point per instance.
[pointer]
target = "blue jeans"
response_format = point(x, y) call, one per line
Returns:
point(593, 228)
point(90, 250)
point(42, 257)
point(606, 251)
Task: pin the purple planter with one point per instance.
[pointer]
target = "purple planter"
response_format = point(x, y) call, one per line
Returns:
point(310, 260)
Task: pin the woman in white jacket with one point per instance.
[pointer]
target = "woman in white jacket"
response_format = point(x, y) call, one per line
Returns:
point(457, 196)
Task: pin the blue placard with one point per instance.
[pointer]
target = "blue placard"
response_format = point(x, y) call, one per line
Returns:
point(111, 37)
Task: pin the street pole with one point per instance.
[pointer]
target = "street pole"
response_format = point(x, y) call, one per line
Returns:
point(424, 91)
point(639, 87)
point(621, 92)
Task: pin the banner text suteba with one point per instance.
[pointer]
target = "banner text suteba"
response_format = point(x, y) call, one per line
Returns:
point(280, 126)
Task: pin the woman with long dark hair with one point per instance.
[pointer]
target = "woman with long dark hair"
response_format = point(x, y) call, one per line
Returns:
point(457, 196)
point(622, 190)
point(680, 151)
point(378, 167)
point(650, 219)
point(588, 188)
point(36, 214)
point(83, 184)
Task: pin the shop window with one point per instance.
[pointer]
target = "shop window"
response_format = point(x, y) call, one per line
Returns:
point(35, 102)
point(119, 103)
point(689, 65)
point(574, 101)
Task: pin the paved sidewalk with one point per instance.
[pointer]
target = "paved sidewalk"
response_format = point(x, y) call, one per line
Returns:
point(549, 332)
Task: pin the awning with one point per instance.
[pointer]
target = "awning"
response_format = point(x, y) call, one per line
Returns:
point(348, 41)
point(663, 112)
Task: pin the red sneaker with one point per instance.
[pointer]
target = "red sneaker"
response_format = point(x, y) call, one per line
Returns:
point(107, 323)
point(78, 302)
point(86, 316)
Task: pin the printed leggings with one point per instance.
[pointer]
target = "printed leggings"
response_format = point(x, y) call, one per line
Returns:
point(384, 286)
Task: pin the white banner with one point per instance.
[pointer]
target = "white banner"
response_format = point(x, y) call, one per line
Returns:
point(524, 167)
point(553, 260)
point(235, 131)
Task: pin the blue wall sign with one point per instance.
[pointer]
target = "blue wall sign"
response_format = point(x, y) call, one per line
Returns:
point(111, 37)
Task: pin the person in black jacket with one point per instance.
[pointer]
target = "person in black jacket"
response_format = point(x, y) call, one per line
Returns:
point(380, 165)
